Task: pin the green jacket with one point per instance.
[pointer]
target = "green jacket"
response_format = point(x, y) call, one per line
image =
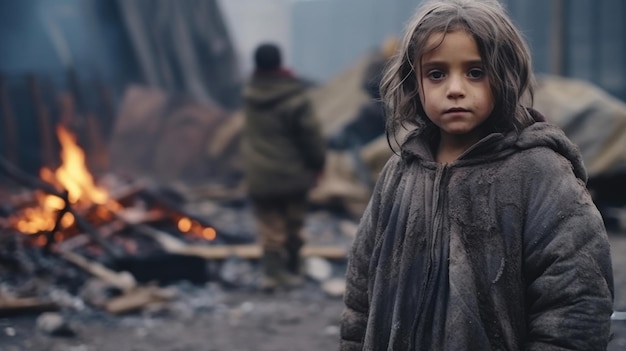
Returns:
point(282, 144)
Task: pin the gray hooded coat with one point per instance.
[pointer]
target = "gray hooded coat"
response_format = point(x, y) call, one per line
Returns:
point(502, 249)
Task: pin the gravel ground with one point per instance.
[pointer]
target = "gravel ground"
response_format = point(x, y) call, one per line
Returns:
point(304, 320)
point(239, 321)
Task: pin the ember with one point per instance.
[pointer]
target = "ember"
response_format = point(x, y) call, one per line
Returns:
point(187, 225)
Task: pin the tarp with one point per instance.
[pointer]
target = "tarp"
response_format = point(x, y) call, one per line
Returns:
point(594, 120)
point(169, 138)
point(590, 117)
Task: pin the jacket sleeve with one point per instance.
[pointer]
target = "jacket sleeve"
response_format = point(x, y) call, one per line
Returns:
point(354, 318)
point(308, 134)
point(567, 266)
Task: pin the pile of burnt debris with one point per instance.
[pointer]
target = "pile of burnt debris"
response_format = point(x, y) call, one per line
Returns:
point(142, 247)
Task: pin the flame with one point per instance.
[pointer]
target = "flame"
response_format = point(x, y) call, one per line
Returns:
point(72, 176)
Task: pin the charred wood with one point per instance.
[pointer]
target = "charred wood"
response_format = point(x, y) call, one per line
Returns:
point(173, 202)
point(164, 268)
point(15, 305)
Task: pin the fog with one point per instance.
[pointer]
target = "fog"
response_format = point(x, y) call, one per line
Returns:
point(319, 37)
point(579, 38)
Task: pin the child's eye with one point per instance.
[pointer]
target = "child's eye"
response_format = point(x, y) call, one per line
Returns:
point(435, 75)
point(476, 73)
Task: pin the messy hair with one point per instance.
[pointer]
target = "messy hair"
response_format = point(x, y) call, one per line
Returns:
point(504, 53)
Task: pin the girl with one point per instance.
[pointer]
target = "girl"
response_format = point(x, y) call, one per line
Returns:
point(480, 234)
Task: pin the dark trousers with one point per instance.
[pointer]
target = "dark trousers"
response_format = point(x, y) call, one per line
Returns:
point(279, 221)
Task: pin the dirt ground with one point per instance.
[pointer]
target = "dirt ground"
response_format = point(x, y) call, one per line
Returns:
point(241, 320)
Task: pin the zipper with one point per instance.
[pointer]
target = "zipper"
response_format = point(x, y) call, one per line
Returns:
point(430, 242)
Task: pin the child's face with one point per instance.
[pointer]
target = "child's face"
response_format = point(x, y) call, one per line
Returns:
point(455, 93)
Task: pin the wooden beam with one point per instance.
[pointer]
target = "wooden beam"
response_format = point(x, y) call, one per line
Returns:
point(123, 280)
point(138, 298)
point(219, 252)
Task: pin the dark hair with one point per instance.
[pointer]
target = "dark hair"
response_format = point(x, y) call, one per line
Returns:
point(503, 50)
point(267, 57)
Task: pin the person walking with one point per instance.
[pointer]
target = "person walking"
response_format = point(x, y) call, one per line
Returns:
point(283, 152)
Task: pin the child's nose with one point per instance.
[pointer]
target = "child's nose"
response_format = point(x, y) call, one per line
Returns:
point(456, 87)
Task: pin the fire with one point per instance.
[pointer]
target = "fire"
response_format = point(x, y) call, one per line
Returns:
point(72, 176)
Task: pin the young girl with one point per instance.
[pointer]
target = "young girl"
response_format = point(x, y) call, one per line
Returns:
point(480, 234)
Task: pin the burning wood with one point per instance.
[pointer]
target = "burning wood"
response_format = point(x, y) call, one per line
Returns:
point(67, 195)
point(72, 176)
point(69, 225)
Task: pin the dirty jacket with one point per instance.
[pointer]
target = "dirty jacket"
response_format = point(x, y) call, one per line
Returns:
point(282, 145)
point(502, 249)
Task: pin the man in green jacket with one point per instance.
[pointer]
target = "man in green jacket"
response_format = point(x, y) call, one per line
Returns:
point(283, 152)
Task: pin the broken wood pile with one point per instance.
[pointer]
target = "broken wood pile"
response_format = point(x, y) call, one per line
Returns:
point(148, 239)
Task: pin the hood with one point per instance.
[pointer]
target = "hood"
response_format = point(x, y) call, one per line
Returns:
point(269, 88)
point(544, 134)
point(495, 146)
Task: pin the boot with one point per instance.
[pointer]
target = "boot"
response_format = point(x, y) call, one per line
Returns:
point(272, 265)
point(275, 274)
point(294, 262)
point(294, 267)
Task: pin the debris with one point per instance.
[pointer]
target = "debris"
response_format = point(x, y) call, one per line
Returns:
point(138, 298)
point(54, 324)
point(318, 268)
point(237, 272)
point(334, 287)
point(123, 280)
point(10, 331)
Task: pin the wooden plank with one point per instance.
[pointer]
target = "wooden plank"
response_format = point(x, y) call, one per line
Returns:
point(123, 280)
point(219, 252)
point(138, 298)
point(254, 251)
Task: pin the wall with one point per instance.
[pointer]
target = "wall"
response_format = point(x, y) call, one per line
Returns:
point(576, 38)
point(251, 22)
